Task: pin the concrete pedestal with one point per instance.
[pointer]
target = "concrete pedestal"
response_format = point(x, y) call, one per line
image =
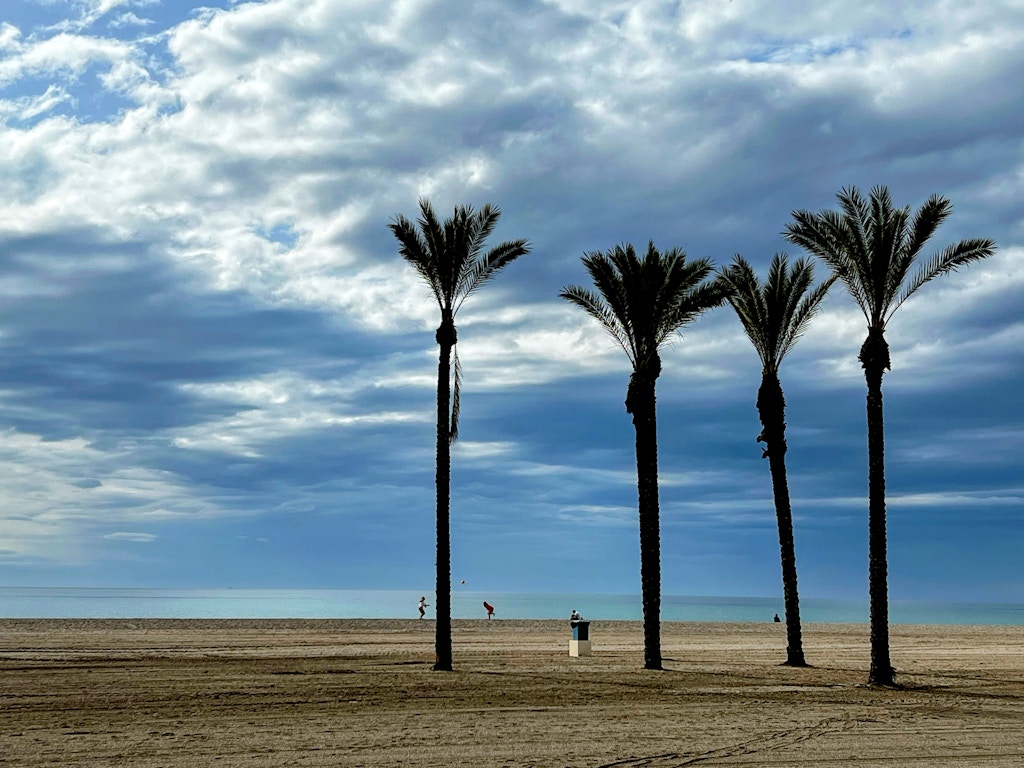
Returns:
point(579, 645)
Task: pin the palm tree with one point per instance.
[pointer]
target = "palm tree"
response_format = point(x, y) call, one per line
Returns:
point(774, 314)
point(641, 304)
point(448, 256)
point(872, 247)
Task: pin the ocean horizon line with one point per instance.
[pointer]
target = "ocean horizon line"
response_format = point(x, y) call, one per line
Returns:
point(328, 603)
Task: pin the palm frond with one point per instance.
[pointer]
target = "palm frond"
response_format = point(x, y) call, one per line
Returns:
point(436, 236)
point(890, 260)
point(827, 236)
point(453, 430)
point(594, 306)
point(416, 251)
point(454, 254)
point(482, 269)
point(804, 311)
point(645, 287)
point(747, 300)
point(861, 235)
point(480, 227)
point(929, 216)
point(693, 303)
point(948, 260)
point(782, 291)
point(611, 285)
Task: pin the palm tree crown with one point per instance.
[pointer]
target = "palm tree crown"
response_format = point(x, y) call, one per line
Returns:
point(641, 303)
point(775, 314)
point(448, 255)
point(872, 247)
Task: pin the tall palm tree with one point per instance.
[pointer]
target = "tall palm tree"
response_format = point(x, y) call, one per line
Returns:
point(873, 248)
point(774, 314)
point(641, 303)
point(449, 257)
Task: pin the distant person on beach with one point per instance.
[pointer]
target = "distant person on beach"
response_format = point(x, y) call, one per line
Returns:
point(575, 616)
point(423, 606)
point(490, 609)
point(777, 620)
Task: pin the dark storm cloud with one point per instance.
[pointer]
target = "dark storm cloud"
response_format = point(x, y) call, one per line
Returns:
point(103, 335)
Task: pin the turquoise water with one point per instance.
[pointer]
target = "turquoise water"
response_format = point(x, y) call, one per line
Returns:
point(18, 602)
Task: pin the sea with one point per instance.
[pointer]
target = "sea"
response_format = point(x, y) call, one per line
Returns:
point(132, 603)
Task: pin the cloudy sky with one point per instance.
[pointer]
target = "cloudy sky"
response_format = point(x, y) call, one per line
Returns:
point(216, 371)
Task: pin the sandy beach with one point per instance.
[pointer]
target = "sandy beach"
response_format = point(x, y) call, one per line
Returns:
point(361, 693)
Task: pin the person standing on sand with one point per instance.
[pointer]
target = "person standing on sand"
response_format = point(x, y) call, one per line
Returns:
point(423, 606)
point(490, 610)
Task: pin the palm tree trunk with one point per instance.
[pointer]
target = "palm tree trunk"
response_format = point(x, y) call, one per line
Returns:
point(446, 338)
point(874, 357)
point(771, 407)
point(641, 403)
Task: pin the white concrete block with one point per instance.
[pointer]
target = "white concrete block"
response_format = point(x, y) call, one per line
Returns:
point(579, 647)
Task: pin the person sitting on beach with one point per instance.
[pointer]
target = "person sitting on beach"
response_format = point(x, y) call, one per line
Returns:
point(423, 606)
point(575, 616)
point(490, 609)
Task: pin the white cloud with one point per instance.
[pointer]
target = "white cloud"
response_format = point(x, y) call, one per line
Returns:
point(28, 107)
point(533, 344)
point(59, 491)
point(130, 20)
point(279, 407)
point(963, 447)
point(1010, 497)
point(129, 536)
point(91, 11)
point(599, 515)
point(10, 37)
point(61, 55)
point(478, 450)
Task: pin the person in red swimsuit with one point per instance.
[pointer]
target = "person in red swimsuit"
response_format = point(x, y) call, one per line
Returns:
point(490, 609)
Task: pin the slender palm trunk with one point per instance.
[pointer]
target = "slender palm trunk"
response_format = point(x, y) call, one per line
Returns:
point(771, 407)
point(446, 337)
point(641, 403)
point(874, 357)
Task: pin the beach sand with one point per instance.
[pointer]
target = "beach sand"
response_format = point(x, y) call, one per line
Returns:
point(361, 693)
